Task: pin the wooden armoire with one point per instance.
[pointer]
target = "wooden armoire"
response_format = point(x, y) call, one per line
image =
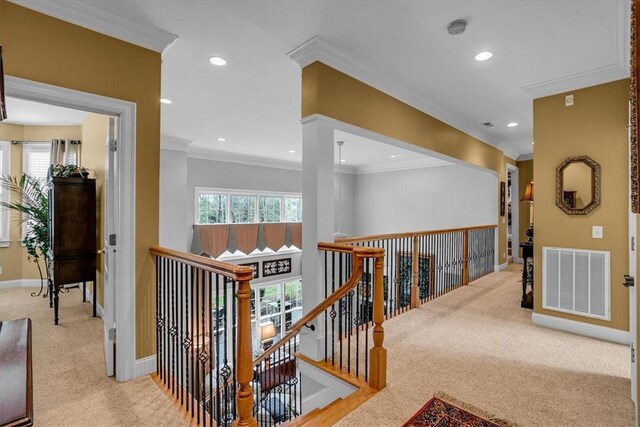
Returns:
point(72, 232)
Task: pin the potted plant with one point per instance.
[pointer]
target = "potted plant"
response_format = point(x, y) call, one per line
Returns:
point(28, 196)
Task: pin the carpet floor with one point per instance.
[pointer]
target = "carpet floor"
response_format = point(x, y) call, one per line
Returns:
point(478, 345)
point(70, 386)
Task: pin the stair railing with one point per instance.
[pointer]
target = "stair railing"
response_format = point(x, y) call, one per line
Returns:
point(277, 378)
point(423, 265)
point(203, 337)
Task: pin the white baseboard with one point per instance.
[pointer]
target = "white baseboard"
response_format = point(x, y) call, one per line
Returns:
point(99, 308)
point(20, 283)
point(501, 267)
point(145, 366)
point(580, 328)
point(518, 260)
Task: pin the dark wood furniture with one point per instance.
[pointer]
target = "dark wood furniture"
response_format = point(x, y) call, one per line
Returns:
point(527, 252)
point(72, 229)
point(279, 373)
point(16, 383)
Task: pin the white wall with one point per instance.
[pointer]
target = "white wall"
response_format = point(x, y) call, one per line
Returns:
point(175, 224)
point(348, 202)
point(424, 199)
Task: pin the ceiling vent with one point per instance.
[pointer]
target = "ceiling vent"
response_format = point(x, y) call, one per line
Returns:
point(488, 124)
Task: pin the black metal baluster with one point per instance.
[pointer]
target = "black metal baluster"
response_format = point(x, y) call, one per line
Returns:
point(211, 337)
point(369, 302)
point(165, 324)
point(326, 285)
point(234, 316)
point(187, 341)
point(158, 314)
point(216, 366)
point(180, 332)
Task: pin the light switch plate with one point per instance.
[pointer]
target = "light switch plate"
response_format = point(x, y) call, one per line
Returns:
point(597, 232)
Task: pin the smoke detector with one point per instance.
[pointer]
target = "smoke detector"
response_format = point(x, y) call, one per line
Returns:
point(457, 27)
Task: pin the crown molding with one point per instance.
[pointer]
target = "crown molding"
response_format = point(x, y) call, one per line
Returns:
point(173, 143)
point(619, 69)
point(317, 49)
point(94, 18)
point(406, 165)
point(243, 159)
point(523, 157)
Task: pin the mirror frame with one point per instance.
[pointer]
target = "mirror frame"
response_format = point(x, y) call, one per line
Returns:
point(595, 185)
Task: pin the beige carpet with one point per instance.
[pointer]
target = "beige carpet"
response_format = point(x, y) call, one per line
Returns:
point(479, 346)
point(69, 381)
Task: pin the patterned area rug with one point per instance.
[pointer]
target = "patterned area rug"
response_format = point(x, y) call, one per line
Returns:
point(446, 411)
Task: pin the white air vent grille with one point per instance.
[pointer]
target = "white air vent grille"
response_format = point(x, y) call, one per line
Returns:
point(576, 281)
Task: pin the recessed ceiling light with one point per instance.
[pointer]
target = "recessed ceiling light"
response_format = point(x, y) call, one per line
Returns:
point(343, 160)
point(222, 139)
point(483, 56)
point(393, 156)
point(165, 101)
point(292, 151)
point(216, 60)
point(512, 125)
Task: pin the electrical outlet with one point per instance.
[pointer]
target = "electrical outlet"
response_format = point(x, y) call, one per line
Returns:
point(597, 232)
point(568, 100)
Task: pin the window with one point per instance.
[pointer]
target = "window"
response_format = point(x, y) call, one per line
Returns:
point(292, 209)
point(212, 208)
point(243, 209)
point(267, 306)
point(270, 207)
point(234, 206)
point(35, 160)
point(5, 154)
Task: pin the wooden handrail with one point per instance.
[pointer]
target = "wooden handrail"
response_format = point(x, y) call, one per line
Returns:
point(359, 253)
point(236, 272)
point(409, 234)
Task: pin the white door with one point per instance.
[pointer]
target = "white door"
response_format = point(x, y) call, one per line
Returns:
point(633, 308)
point(110, 276)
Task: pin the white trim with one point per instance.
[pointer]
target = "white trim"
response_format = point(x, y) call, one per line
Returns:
point(515, 212)
point(126, 277)
point(243, 159)
point(317, 49)
point(173, 143)
point(5, 169)
point(20, 283)
point(580, 328)
point(619, 69)
point(145, 366)
point(347, 127)
point(95, 18)
point(524, 157)
point(501, 267)
point(89, 295)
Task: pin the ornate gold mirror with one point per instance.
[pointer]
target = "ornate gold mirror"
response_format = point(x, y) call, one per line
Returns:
point(578, 185)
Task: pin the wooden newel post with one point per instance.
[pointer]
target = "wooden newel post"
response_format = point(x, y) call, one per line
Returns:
point(378, 354)
point(415, 267)
point(465, 258)
point(244, 362)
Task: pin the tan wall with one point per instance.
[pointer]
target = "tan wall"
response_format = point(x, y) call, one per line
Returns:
point(525, 175)
point(41, 48)
point(331, 93)
point(596, 127)
point(14, 259)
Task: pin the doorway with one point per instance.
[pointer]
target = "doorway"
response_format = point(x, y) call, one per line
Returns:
point(119, 302)
point(512, 213)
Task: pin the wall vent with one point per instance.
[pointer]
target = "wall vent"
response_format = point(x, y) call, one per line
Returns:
point(576, 281)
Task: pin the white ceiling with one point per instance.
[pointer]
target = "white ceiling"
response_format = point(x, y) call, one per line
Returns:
point(22, 112)
point(540, 47)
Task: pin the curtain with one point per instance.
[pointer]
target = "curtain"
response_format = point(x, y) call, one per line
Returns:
point(65, 152)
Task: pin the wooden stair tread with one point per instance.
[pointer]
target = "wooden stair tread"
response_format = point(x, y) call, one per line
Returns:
point(340, 408)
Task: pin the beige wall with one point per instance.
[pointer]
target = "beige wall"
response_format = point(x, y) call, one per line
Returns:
point(596, 127)
point(525, 175)
point(13, 259)
point(44, 49)
point(331, 93)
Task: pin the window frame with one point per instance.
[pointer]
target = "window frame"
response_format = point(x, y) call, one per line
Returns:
point(5, 214)
point(229, 193)
point(27, 148)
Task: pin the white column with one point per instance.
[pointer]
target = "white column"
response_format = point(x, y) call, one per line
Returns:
point(317, 222)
